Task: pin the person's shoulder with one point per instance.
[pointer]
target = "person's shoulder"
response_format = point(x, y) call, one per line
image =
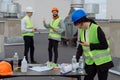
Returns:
point(99, 27)
point(23, 19)
point(61, 20)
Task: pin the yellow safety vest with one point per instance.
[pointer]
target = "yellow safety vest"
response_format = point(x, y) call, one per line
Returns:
point(95, 56)
point(29, 25)
point(54, 24)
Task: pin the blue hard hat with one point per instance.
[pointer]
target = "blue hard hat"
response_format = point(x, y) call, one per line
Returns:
point(78, 14)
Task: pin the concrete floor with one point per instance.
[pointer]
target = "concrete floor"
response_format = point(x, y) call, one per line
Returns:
point(41, 56)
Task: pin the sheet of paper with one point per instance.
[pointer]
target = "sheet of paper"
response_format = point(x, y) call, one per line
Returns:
point(40, 69)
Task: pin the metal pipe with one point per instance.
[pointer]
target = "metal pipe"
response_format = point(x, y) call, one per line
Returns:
point(77, 3)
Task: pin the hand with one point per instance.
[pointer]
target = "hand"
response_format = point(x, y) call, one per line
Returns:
point(53, 29)
point(34, 29)
point(85, 44)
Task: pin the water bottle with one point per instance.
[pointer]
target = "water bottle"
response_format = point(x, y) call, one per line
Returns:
point(15, 61)
point(81, 65)
point(74, 62)
point(24, 65)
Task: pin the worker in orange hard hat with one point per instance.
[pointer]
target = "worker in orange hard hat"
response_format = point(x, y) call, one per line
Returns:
point(55, 13)
point(56, 27)
point(55, 9)
point(5, 68)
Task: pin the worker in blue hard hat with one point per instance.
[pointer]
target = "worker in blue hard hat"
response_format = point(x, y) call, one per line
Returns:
point(93, 45)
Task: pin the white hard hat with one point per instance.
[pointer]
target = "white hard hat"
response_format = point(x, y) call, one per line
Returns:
point(29, 9)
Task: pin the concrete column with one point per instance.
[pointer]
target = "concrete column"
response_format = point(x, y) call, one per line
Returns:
point(2, 54)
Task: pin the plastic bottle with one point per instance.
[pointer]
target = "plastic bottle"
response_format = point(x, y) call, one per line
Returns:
point(24, 65)
point(15, 61)
point(74, 62)
point(81, 65)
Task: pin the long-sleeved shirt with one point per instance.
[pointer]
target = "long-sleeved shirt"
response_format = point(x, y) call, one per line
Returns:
point(23, 26)
point(102, 45)
point(60, 25)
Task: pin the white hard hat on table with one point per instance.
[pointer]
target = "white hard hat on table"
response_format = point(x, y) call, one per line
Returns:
point(29, 9)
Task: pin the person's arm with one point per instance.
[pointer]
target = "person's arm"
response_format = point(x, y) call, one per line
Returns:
point(45, 24)
point(79, 52)
point(102, 41)
point(61, 27)
point(23, 27)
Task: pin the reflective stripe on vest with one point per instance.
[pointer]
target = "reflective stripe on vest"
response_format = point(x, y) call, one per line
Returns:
point(54, 24)
point(29, 25)
point(95, 56)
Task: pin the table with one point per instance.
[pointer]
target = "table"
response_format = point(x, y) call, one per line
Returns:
point(31, 73)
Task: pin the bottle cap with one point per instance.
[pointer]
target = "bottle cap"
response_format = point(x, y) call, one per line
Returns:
point(74, 56)
point(16, 53)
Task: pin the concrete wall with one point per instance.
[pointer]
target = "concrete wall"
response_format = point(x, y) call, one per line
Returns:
point(113, 9)
point(12, 28)
point(112, 31)
point(43, 9)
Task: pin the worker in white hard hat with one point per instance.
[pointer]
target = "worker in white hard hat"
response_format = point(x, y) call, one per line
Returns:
point(28, 34)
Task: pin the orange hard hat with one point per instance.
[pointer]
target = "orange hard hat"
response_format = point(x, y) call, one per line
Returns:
point(5, 68)
point(55, 9)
